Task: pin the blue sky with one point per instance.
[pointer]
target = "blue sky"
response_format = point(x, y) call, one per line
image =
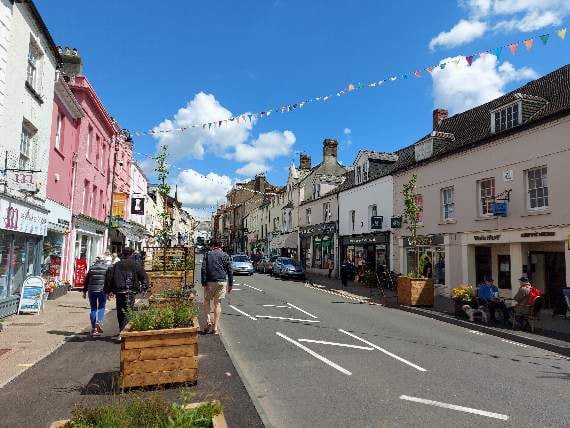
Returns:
point(147, 60)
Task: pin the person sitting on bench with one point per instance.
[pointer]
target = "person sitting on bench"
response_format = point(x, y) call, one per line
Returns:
point(488, 295)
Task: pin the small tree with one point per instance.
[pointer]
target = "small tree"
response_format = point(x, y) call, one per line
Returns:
point(411, 216)
point(162, 172)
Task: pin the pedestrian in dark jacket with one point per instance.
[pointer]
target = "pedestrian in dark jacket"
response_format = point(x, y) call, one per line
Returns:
point(94, 288)
point(125, 279)
point(216, 276)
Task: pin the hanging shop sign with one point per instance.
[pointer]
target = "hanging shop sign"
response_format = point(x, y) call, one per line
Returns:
point(376, 222)
point(396, 222)
point(26, 181)
point(119, 202)
point(499, 208)
point(32, 297)
point(19, 218)
point(80, 272)
point(137, 206)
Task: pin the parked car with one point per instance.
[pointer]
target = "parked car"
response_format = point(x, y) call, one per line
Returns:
point(290, 268)
point(276, 266)
point(266, 264)
point(241, 264)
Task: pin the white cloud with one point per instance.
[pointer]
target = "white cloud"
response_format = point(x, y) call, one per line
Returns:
point(201, 213)
point(459, 88)
point(502, 16)
point(463, 32)
point(267, 146)
point(196, 190)
point(347, 131)
point(231, 141)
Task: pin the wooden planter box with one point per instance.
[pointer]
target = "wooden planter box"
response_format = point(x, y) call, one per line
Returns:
point(157, 357)
point(160, 281)
point(415, 292)
point(160, 302)
point(218, 421)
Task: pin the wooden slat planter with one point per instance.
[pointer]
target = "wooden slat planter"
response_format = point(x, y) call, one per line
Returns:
point(160, 281)
point(218, 421)
point(157, 357)
point(415, 292)
point(160, 302)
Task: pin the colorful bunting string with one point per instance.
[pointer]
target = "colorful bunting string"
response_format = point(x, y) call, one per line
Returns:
point(251, 117)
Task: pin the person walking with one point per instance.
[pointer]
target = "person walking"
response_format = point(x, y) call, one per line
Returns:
point(346, 271)
point(216, 276)
point(115, 258)
point(125, 279)
point(94, 288)
point(330, 266)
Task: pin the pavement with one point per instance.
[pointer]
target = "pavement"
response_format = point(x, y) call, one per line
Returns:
point(316, 357)
point(65, 367)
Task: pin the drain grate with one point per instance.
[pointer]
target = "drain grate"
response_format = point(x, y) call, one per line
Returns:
point(4, 351)
point(26, 324)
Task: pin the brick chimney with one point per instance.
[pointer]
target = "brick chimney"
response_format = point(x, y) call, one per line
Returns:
point(72, 64)
point(329, 148)
point(260, 183)
point(304, 161)
point(439, 115)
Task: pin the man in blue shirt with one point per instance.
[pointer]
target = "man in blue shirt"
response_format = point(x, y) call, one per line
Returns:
point(488, 295)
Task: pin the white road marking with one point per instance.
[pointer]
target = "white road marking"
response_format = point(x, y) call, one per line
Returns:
point(243, 313)
point(345, 345)
point(415, 366)
point(314, 354)
point(236, 289)
point(301, 310)
point(455, 407)
point(283, 318)
point(514, 343)
point(476, 332)
point(255, 288)
point(282, 306)
point(269, 306)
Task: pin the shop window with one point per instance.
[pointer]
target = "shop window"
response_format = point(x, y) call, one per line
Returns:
point(5, 243)
point(327, 246)
point(486, 196)
point(447, 204)
point(327, 212)
point(19, 267)
point(537, 184)
point(317, 252)
point(58, 132)
point(308, 215)
point(432, 262)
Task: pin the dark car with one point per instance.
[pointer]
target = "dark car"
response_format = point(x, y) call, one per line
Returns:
point(289, 268)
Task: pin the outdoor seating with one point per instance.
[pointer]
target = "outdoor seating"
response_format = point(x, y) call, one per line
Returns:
point(528, 314)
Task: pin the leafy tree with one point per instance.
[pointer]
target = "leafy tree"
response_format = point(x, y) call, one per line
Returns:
point(411, 216)
point(162, 172)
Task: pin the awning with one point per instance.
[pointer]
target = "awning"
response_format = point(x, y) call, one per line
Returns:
point(132, 232)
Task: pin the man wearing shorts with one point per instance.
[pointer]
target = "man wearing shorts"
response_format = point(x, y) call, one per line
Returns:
point(216, 276)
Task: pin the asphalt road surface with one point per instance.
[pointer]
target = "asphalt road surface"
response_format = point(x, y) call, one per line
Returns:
point(312, 359)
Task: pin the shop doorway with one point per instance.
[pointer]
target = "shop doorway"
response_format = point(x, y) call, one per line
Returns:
point(483, 264)
point(548, 272)
point(504, 280)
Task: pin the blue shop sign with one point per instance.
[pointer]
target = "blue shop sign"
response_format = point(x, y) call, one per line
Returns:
point(499, 209)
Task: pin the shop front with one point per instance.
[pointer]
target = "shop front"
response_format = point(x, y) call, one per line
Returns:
point(541, 254)
point(21, 234)
point(432, 257)
point(285, 245)
point(87, 244)
point(367, 252)
point(55, 246)
point(318, 245)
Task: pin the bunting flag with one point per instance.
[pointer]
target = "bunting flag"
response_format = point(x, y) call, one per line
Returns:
point(528, 43)
point(244, 117)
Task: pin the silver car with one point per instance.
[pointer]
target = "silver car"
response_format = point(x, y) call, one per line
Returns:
point(242, 265)
point(290, 268)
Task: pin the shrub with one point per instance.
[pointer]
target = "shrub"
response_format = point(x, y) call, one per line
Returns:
point(172, 316)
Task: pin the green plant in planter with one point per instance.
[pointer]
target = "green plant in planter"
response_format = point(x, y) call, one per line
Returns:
point(170, 293)
point(172, 316)
point(411, 216)
point(137, 412)
point(162, 172)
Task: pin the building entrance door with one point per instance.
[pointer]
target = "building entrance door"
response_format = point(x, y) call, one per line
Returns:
point(504, 280)
point(555, 278)
point(483, 264)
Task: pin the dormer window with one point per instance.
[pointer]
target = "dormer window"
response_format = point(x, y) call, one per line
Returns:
point(506, 117)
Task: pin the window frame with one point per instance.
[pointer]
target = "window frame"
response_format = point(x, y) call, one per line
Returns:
point(89, 142)
point(352, 219)
point(497, 117)
point(480, 203)
point(33, 65)
point(308, 216)
point(545, 195)
point(447, 214)
point(327, 213)
point(25, 157)
point(58, 132)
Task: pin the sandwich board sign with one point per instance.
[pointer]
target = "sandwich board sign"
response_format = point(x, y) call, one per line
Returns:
point(31, 299)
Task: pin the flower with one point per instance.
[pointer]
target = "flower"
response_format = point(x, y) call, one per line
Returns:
point(464, 292)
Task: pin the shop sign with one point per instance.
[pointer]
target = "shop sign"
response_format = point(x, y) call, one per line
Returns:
point(318, 229)
point(376, 222)
point(80, 272)
point(508, 175)
point(20, 218)
point(27, 181)
point(499, 209)
point(366, 239)
point(62, 222)
point(31, 299)
point(396, 222)
point(487, 237)
point(425, 240)
point(137, 206)
point(119, 202)
point(537, 234)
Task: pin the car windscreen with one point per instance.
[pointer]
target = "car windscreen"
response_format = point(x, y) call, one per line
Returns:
point(240, 259)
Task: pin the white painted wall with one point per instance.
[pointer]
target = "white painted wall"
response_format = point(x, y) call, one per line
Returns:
point(138, 188)
point(5, 33)
point(18, 103)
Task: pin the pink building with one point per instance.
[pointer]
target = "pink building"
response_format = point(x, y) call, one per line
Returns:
point(66, 117)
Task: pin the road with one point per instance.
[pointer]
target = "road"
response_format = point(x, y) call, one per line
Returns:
point(315, 359)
